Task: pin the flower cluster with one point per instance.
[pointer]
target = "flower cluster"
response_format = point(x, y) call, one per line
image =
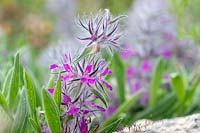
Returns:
point(79, 81)
point(102, 29)
point(85, 90)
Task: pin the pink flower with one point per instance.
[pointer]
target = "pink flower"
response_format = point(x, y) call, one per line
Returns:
point(145, 66)
point(127, 52)
point(136, 86)
point(130, 72)
point(166, 52)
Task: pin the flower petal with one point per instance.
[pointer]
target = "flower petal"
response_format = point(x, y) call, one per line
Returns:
point(67, 67)
point(84, 79)
point(106, 71)
point(53, 66)
point(67, 77)
point(83, 125)
point(73, 109)
point(88, 68)
point(50, 90)
point(91, 80)
point(107, 85)
point(66, 99)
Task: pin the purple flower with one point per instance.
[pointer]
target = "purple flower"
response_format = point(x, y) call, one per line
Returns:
point(166, 52)
point(170, 36)
point(136, 86)
point(86, 78)
point(102, 28)
point(145, 97)
point(130, 72)
point(166, 76)
point(145, 66)
point(127, 52)
point(88, 73)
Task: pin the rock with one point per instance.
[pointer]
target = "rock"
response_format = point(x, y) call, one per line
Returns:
point(188, 124)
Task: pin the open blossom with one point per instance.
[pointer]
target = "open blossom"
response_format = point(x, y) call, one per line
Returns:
point(90, 72)
point(78, 82)
point(101, 29)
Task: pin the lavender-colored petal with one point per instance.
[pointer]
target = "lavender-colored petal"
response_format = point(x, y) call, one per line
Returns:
point(73, 109)
point(106, 71)
point(51, 90)
point(145, 66)
point(86, 111)
point(166, 52)
point(53, 66)
point(67, 67)
point(130, 72)
point(67, 77)
point(136, 86)
point(83, 125)
point(91, 80)
point(84, 79)
point(107, 85)
point(88, 68)
point(66, 99)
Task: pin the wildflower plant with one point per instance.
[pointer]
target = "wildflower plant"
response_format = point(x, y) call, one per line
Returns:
point(80, 89)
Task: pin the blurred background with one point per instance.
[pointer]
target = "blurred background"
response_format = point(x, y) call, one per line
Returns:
point(170, 29)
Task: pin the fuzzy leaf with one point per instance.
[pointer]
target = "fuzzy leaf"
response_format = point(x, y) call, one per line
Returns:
point(155, 82)
point(51, 82)
point(30, 92)
point(6, 82)
point(14, 84)
point(21, 114)
point(3, 102)
point(118, 72)
point(51, 112)
point(57, 92)
point(191, 91)
point(178, 86)
point(87, 51)
point(35, 125)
